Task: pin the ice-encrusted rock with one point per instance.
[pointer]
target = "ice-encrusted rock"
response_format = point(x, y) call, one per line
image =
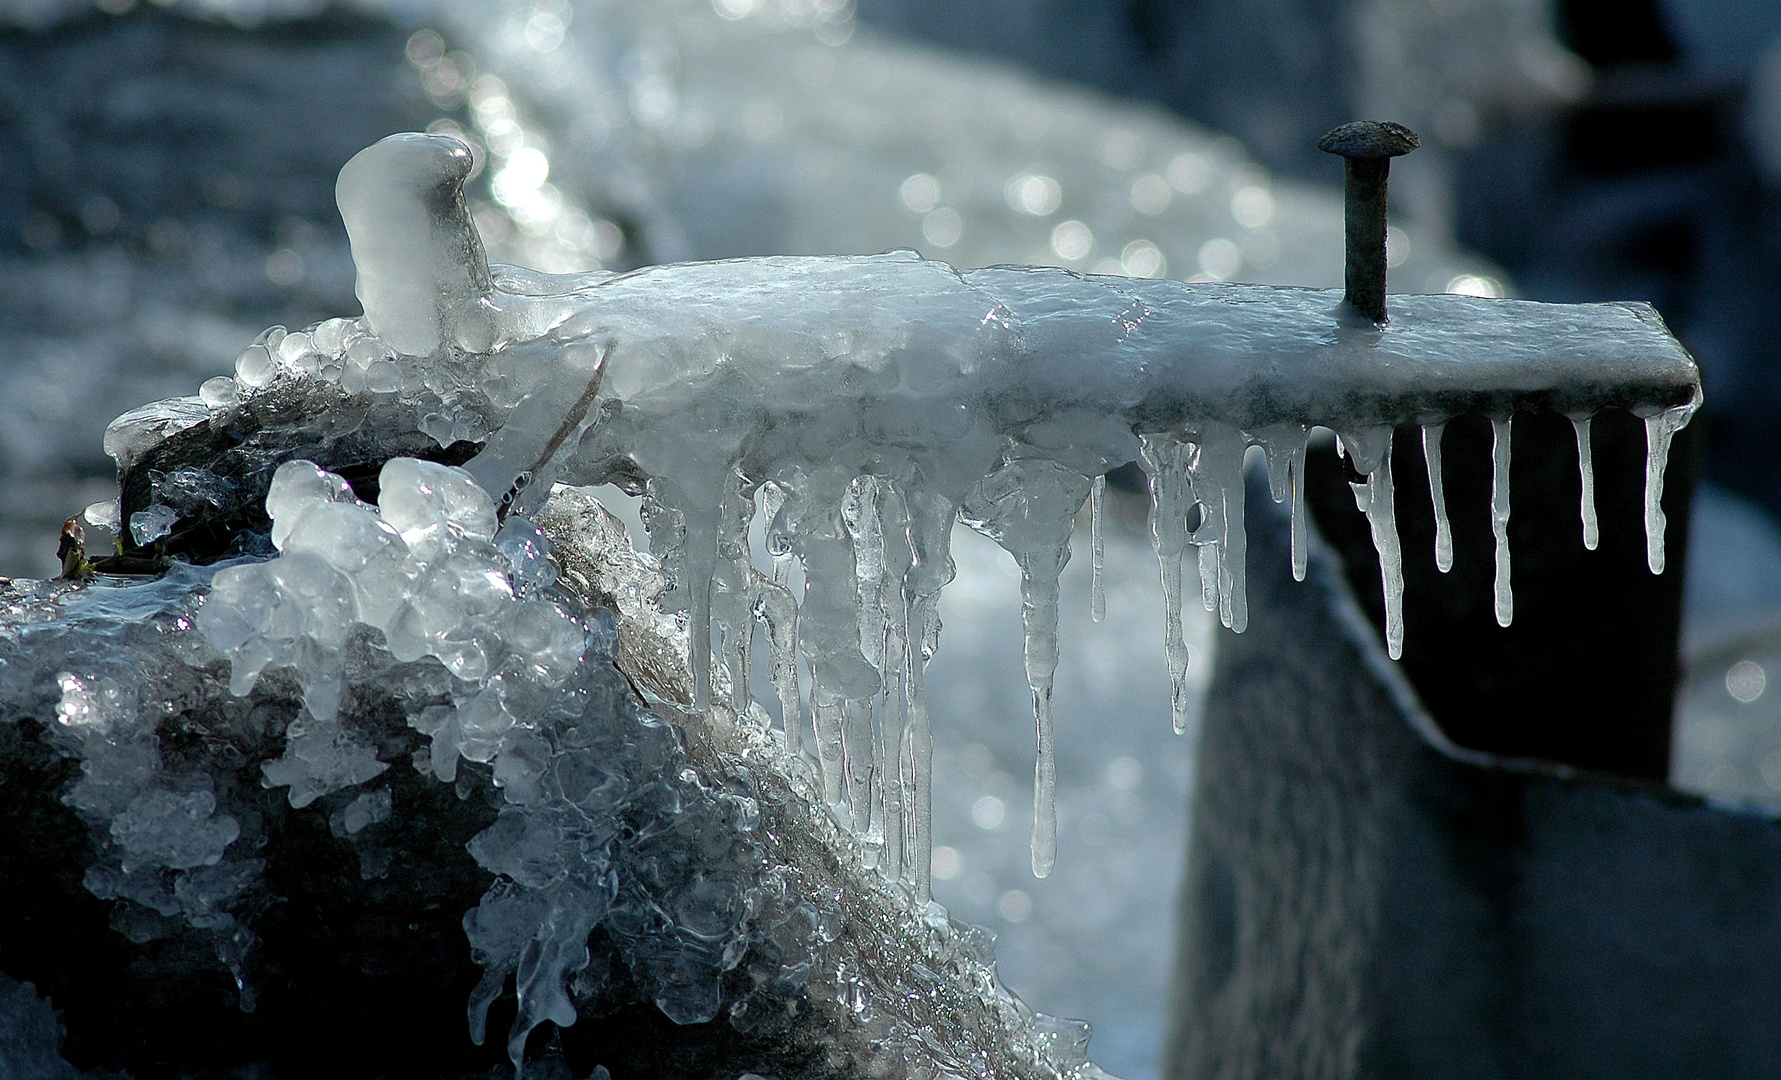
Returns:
point(712, 882)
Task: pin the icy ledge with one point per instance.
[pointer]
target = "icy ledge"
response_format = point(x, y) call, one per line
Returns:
point(859, 406)
point(862, 403)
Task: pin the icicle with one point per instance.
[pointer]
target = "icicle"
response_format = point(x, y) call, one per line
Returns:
point(859, 751)
point(829, 631)
point(1097, 591)
point(825, 719)
point(732, 601)
point(1382, 516)
point(1028, 505)
point(898, 558)
point(859, 512)
point(919, 739)
point(682, 519)
point(931, 516)
point(1586, 470)
point(1233, 591)
point(1431, 454)
point(1279, 460)
point(1215, 470)
point(1207, 554)
point(1039, 589)
point(1171, 499)
point(1660, 428)
point(1300, 542)
point(775, 607)
point(1285, 446)
point(779, 545)
point(1370, 451)
point(1499, 517)
point(1233, 595)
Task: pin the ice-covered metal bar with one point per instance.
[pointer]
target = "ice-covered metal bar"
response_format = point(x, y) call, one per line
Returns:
point(874, 399)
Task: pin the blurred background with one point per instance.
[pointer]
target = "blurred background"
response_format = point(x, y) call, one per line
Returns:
point(167, 192)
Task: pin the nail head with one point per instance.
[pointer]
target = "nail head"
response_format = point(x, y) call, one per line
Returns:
point(1370, 139)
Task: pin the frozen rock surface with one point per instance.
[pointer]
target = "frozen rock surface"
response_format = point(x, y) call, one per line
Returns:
point(683, 866)
point(651, 840)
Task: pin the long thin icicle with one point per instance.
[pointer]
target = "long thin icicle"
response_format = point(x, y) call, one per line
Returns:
point(1097, 589)
point(892, 719)
point(732, 599)
point(1301, 551)
point(1370, 451)
point(1039, 588)
point(1431, 454)
point(1660, 428)
point(775, 607)
point(860, 741)
point(1586, 470)
point(1029, 506)
point(930, 539)
point(1170, 500)
point(1499, 517)
point(919, 738)
point(1382, 516)
point(1284, 445)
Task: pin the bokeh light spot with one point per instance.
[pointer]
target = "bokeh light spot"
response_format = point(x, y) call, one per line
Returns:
point(1746, 681)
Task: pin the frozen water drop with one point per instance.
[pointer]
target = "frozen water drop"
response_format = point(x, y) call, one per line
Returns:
point(152, 524)
point(255, 367)
point(102, 515)
point(218, 393)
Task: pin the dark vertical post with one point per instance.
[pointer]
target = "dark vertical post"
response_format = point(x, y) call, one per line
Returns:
point(1368, 147)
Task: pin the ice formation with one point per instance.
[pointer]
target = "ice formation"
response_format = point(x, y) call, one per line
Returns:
point(877, 398)
point(610, 135)
point(871, 400)
point(859, 405)
point(693, 856)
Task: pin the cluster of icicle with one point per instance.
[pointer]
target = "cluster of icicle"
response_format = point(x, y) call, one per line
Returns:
point(862, 405)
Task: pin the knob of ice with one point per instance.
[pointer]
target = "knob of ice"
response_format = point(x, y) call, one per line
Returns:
point(422, 274)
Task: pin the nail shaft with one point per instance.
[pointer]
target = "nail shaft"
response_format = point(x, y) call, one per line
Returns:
point(1364, 227)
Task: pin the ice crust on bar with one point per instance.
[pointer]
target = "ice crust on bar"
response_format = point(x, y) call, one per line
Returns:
point(871, 400)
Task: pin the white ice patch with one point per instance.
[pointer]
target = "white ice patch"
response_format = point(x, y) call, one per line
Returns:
point(424, 568)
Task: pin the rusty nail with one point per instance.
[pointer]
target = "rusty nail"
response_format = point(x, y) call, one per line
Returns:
point(1367, 147)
